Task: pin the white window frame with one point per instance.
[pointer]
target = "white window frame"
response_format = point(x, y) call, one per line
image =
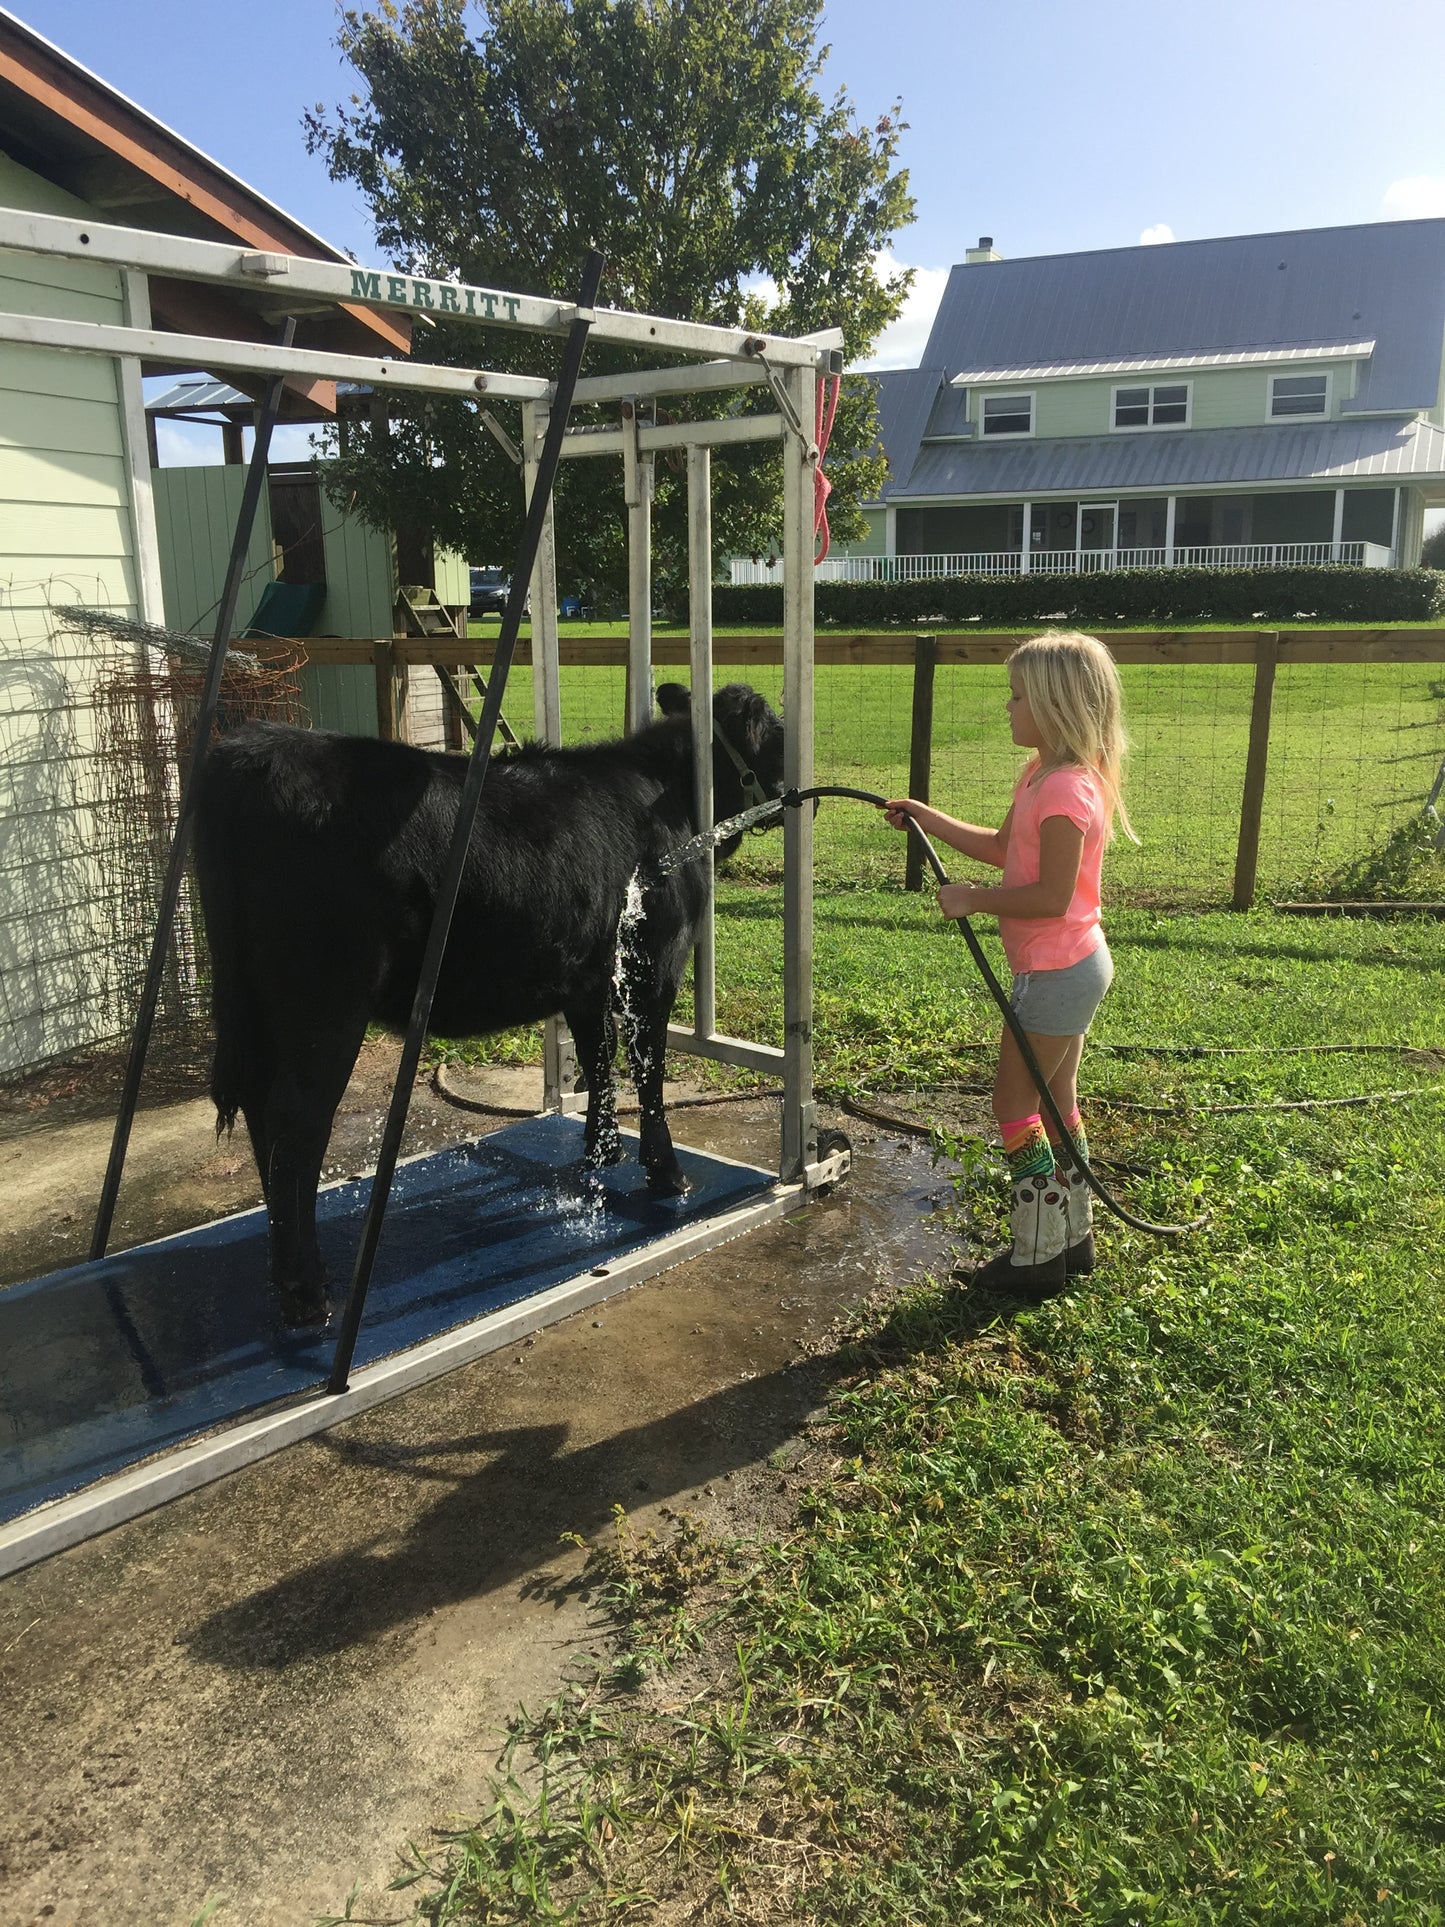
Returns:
point(1012, 395)
point(1150, 427)
point(1299, 374)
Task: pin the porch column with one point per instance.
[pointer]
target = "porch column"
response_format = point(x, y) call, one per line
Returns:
point(1339, 528)
point(1395, 530)
point(1169, 531)
point(1028, 538)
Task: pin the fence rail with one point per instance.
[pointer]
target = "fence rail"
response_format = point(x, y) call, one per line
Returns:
point(1231, 555)
point(1301, 645)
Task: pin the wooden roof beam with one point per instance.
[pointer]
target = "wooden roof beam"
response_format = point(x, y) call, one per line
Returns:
point(169, 161)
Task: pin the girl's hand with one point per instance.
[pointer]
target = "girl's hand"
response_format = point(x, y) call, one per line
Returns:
point(958, 899)
point(898, 812)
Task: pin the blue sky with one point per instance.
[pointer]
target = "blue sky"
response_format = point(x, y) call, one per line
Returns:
point(1053, 126)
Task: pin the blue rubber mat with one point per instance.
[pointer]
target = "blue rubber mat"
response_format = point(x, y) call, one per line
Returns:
point(102, 1365)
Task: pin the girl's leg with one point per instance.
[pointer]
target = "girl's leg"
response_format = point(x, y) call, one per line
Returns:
point(1035, 1261)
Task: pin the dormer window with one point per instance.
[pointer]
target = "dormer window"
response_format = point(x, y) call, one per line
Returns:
point(1163, 406)
point(1299, 397)
point(1008, 415)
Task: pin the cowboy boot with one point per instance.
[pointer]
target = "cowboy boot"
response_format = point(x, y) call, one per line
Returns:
point(1079, 1219)
point(1034, 1266)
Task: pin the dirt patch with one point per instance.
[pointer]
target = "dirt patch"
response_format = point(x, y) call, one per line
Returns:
point(261, 1691)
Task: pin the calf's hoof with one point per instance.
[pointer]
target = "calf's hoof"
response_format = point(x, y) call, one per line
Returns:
point(667, 1180)
point(303, 1307)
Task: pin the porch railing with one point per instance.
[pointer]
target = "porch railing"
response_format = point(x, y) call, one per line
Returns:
point(1234, 555)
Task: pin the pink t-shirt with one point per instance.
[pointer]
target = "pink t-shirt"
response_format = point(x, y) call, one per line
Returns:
point(1053, 943)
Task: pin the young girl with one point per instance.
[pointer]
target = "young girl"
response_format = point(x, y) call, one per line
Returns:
point(1064, 706)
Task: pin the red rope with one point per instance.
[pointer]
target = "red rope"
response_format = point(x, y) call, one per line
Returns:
point(828, 391)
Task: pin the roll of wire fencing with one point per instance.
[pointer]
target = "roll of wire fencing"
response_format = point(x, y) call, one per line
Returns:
point(107, 768)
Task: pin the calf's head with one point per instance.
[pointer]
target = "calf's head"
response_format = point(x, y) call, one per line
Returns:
point(747, 763)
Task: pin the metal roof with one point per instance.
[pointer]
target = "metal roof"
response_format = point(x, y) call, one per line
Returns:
point(1323, 452)
point(1383, 281)
point(1169, 364)
point(905, 401)
point(197, 394)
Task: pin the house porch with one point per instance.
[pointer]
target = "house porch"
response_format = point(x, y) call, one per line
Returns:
point(1361, 526)
point(1354, 527)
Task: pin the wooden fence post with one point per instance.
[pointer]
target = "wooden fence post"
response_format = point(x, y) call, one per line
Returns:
point(920, 749)
point(384, 657)
point(1256, 768)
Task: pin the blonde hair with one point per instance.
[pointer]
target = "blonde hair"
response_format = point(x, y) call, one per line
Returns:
point(1073, 690)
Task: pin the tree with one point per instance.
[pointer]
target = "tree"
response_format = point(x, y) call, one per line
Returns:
point(688, 139)
point(1432, 552)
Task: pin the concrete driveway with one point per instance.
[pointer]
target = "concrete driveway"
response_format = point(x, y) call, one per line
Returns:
point(260, 1692)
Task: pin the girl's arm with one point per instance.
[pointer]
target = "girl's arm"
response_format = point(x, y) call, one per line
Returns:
point(1061, 849)
point(984, 846)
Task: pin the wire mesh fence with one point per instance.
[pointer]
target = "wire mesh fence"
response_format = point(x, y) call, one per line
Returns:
point(93, 735)
point(146, 706)
point(95, 727)
point(1353, 750)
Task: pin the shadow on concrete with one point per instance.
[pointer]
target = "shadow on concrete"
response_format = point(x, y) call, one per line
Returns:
point(497, 1523)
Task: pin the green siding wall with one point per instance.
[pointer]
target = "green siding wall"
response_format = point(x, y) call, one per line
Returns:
point(196, 517)
point(341, 697)
point(67, 535)
point(360, 577)
point(1222, 398)
point(875, 542)
point(196, 510)
point(452, 578)
point(359, 595)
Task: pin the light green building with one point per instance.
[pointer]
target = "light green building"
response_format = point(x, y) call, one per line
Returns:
point(80, 509)
point(1260, 400)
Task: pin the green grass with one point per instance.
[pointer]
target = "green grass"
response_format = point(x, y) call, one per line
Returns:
point(1353, 751)
point(1126, 1609)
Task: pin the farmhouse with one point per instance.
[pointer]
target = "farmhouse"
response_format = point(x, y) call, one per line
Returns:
point(1256, 400)
point(86, 517)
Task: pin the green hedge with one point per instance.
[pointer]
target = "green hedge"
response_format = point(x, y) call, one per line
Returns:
point(1115, 595)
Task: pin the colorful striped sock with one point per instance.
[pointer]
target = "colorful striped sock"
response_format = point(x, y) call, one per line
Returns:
point(1075, 1125)
point(1026, 1147)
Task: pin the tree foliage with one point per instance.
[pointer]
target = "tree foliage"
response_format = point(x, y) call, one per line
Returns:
point(686, 138)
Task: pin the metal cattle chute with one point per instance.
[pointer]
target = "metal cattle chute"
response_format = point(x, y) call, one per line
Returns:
point(79, 1502)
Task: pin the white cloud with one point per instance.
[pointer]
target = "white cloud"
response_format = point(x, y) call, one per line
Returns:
point(1155, 236)
point(902, 342)
point(1415, 198)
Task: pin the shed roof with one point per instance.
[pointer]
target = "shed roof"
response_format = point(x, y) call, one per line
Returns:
point(195, 395)
point(1382, 281)
point(1326, 452)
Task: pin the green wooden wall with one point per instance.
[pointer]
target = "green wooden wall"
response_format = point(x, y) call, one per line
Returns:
point(67, 535)
point(196, 510)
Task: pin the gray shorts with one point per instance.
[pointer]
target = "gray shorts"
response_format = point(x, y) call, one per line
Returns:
point(1061, 1003)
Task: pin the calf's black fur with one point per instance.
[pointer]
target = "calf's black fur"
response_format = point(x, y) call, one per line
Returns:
point(319, 858)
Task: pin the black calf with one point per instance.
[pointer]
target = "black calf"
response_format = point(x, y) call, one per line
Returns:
point(319, 858)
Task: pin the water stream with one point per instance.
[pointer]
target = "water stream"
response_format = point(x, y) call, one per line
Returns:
point(706, 840)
